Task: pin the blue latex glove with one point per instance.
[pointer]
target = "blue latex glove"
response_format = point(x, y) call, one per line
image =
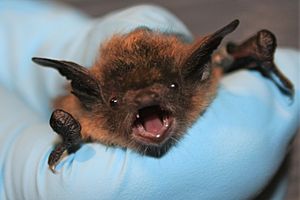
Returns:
point(232, 152)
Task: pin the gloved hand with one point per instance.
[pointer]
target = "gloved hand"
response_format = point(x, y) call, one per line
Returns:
point(232, 152)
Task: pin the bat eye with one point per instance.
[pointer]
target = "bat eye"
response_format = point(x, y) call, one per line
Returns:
point(173, 86)
point(114, 102)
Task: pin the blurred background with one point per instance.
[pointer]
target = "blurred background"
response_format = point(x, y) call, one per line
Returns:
point(205, 16)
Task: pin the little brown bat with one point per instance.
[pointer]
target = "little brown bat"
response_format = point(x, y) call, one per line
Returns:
point(147, 88)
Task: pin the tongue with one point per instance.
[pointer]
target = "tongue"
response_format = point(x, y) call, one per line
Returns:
point(153, 124)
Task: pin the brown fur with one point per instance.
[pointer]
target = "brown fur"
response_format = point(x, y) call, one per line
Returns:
point(130, 63)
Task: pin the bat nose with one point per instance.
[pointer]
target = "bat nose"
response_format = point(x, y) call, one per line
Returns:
point(146, 98)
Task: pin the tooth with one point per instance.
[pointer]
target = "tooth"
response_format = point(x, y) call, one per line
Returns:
point(166, 122)
point(137, 116)
point(141, 128)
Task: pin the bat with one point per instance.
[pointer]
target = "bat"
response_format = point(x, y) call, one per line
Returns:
point(146, 88)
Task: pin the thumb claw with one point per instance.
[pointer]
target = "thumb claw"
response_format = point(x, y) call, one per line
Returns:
point(52, 168)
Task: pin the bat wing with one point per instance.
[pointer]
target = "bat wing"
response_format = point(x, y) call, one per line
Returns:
point(84, 85)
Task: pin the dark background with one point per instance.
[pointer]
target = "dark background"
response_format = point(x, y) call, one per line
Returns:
point(205, 16)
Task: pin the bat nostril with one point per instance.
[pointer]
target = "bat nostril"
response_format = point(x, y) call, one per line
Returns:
point(138, 100)
point(154, 95)
point(145, 98)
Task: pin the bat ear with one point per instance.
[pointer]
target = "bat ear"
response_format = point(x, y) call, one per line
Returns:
point(196, 65)
point(84, 85)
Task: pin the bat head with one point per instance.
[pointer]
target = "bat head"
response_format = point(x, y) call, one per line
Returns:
point(146, 87)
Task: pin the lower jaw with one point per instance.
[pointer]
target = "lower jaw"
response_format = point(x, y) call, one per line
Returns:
point(155, 150)
point(151, 141)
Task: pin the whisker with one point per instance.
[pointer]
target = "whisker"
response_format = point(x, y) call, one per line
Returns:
point(145, 150)
point(174, 139)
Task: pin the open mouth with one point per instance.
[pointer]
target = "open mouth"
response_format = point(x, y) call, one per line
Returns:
point(152, 125)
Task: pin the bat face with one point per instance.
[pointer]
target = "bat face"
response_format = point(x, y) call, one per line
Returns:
point(149, 101)
point(145, 89)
